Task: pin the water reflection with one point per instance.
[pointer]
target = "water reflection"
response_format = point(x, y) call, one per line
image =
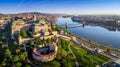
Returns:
point(108, 27)
point(104, 34)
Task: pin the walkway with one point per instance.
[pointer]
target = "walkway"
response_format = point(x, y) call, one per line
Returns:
point(76, 62)
point(88, 47)
point(28, 58)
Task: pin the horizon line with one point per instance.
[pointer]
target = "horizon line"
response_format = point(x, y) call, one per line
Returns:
point(56, 13)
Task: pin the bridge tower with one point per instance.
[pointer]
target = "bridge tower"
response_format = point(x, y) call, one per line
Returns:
point(66, 26)
point(83, 24)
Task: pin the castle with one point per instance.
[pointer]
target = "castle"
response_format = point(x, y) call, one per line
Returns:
point(33, 25)
point(45, 54)
point(41, 27)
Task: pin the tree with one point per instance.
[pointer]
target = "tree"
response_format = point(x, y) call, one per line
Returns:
point(108, 49)
point(63, 44)
point(7, 52)
point(55, 64)
point(17, 51)
point(59, 57)
point(16, 58)
point(52, 39)
point(1, 42)
point(38, 39)
point(4, 63)
point(63, 53)
point(35, 33)
point(27, 65)
point(18, 64)
point(67, 64)
point(90, 41)
point(70, 57)
point(23, 33)
point(23, 55)
point(45, 43)
point(48, 40)
point(4, 46)
point(3, 38)
point(31, 42)
point(29, 34)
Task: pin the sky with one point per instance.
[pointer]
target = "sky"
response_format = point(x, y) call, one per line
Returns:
point(61, 6)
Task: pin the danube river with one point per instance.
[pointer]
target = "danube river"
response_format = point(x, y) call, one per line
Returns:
point(91, 32)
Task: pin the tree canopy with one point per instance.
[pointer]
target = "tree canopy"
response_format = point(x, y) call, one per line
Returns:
point(23, 33)
point(55, 64)
point(16, 58)
point(7, 52)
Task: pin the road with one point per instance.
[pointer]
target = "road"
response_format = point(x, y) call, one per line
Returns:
point(8, 38)
point(88, 47)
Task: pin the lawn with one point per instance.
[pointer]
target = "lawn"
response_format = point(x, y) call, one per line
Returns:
point(85, 58)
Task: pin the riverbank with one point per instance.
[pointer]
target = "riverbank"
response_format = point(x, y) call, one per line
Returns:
point(109, 50)
point(99, 34)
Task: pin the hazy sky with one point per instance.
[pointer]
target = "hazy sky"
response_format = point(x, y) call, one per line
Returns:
point(61, 6)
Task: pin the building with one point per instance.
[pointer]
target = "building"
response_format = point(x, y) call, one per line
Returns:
point(3, 23)
point(115, 63)
point(45, 54)
point(16, 27)
point(98, 50)
point(38, 26)
point(34, 17)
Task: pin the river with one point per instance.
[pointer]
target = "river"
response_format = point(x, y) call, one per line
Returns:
point(91, 32)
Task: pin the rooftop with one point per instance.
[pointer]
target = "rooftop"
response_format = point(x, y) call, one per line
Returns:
point(18, 21)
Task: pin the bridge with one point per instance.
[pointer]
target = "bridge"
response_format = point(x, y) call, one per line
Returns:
point(72, 25)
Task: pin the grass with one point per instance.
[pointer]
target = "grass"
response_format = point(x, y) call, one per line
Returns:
point(60, 58)
point(94, 44)
point(86, 58)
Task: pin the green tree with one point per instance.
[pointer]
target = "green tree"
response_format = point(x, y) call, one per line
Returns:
point(7, 52)
point(59, 57)
point(18, 64)
point(3, 38)
point(70, 57)
point(108, 49)
point(23, 33)
point(23, 55)
point(1, 42)
point(45, 43)
point(48, 40)
point(67, 64)
point(4, 46)
point(35, 33)
point(55, 64)
point(4, 63)
point(63, 43)
point(31, 42)
point(38, 39)
point(16, 58)
point(90, 41)
point(17, 51)
point(27, 65)
point(63, 53)
point(52, 39)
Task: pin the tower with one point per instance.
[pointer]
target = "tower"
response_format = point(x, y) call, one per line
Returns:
point(66, 25)
point(34, 17)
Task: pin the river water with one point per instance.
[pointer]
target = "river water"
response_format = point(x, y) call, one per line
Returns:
point(95, 33)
